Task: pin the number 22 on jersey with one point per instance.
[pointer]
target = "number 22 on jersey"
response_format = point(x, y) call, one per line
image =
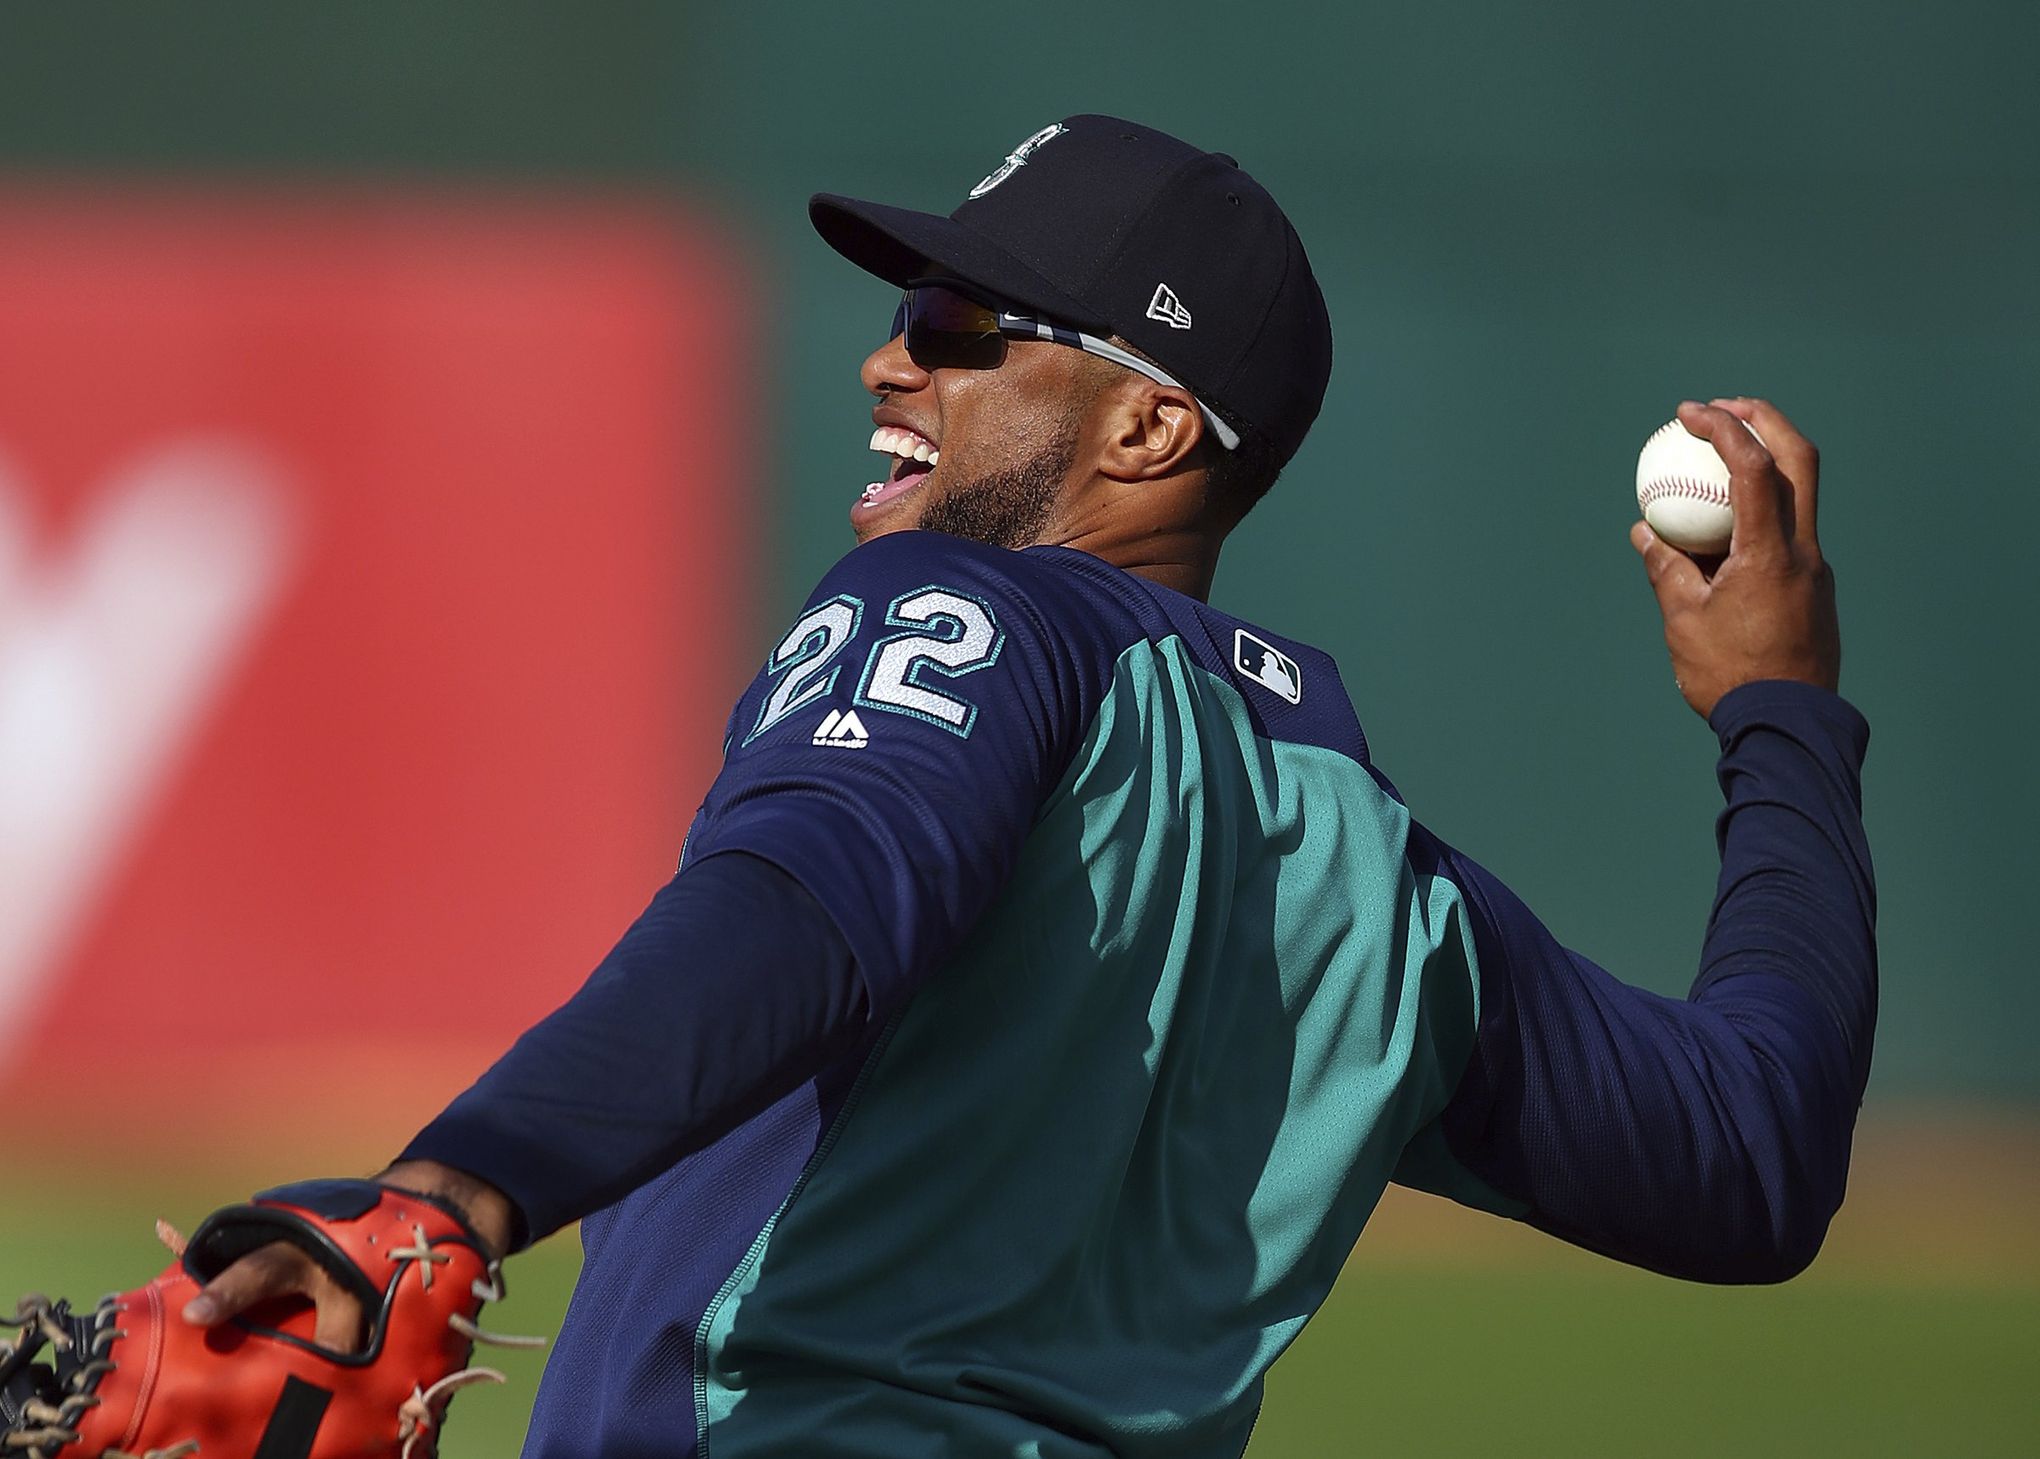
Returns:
point(942, 632)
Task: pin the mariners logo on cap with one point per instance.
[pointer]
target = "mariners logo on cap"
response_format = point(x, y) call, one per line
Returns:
point(1017, 158)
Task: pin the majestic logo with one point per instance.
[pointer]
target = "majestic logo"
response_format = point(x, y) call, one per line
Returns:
point(842, 730)
point(1166, 307)
point(1017, 158)
point(1267, 665)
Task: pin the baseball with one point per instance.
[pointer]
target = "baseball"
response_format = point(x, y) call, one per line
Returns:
point(1682, 487)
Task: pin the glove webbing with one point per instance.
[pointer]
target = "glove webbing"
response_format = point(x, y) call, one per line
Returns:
point(39, 1403)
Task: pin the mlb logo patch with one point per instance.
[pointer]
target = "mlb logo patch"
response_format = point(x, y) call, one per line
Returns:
point(1268, 666)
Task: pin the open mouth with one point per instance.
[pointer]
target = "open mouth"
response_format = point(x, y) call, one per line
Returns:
point(914, 456)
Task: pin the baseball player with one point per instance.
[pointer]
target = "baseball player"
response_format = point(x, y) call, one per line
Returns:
point(1052, 982)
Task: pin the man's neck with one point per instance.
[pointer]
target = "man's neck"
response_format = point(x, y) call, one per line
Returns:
point(1183, 561)
point(1162, 530)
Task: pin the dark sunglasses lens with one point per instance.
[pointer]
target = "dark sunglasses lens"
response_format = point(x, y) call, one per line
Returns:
point(945, 329)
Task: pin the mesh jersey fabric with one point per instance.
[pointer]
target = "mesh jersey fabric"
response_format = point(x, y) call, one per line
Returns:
point(1158, 1001)
point(1105, 983)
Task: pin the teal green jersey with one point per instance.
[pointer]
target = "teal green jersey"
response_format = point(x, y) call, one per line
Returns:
point(1051, 986)
point(1105, 1162)
point(1049, 990)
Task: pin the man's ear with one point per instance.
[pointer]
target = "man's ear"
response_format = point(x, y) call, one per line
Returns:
point(1149, 429)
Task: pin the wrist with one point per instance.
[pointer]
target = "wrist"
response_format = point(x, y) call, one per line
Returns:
point(487, 1209)
point(1758, 697)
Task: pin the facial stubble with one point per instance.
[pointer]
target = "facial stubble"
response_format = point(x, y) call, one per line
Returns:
point(1008, 508)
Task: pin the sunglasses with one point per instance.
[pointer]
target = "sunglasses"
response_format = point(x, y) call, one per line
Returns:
point(946, 328)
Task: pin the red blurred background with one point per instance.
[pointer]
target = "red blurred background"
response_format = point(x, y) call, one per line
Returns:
point(372, 599)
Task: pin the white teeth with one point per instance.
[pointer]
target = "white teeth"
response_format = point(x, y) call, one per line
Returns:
point(874, 489)
point(905, 444)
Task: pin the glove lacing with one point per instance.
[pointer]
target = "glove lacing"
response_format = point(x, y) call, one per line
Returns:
point(419, 1414)
point(46, 1323)
point(43, 1322)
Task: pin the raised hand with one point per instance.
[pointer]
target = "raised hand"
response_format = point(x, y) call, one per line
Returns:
point(1767, 610)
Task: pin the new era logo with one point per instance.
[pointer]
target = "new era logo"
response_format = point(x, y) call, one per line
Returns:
point(1267, 666)
point(842, 730)
point(1166, 307)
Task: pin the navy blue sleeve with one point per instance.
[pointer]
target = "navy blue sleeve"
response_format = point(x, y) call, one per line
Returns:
point(726, 994)
point(880, 776)
point(905, 733)
point(1707, 1137)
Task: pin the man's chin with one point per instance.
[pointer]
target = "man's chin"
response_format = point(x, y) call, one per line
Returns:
point(872, 531)
point(900, 515)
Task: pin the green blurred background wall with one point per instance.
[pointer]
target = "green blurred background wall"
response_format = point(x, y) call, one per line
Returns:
point(1539, 226)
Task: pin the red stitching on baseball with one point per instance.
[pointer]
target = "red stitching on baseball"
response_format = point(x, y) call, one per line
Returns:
point(1706, 491)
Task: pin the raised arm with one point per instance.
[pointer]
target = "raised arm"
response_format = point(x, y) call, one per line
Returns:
point(1706, 1137)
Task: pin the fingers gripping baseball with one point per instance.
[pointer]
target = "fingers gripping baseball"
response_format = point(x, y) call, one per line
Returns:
point(1757, 492)
point(1768, 610)
point(1795, 456)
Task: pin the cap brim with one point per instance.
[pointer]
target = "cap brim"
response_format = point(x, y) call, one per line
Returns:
point(900, 245)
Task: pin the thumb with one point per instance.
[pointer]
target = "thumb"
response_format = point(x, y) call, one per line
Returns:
point(337, 1320)
point(1673, 575)
point(272, 1271)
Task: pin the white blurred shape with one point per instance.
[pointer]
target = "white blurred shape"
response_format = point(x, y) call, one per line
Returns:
point(112, 646)
point(13, 546)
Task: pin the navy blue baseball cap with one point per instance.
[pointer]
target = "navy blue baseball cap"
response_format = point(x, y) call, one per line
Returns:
point(1111, 227)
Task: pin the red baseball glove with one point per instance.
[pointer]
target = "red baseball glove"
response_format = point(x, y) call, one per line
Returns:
point(131, 1380)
